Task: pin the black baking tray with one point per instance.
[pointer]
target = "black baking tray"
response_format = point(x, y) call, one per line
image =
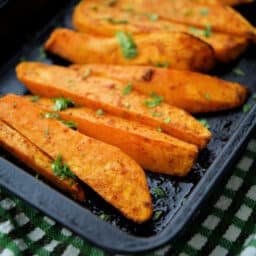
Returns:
point(230, 131)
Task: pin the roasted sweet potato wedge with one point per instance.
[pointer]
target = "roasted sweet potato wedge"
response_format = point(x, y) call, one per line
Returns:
point(28, 153)
point(106, 169)
point(106, 21)
point(112, 96)
point(226, 2)
point(153, 150)
point(194, 92)
point(193, 14)
point(179, 49)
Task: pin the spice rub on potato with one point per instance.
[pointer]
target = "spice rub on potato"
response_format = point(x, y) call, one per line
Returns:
point(106, 169)
point(112, 96)
point(40, 162)
point(153, 150)
point(180, 50)
point(191, 13)
point(103, 20)
point(194, 92)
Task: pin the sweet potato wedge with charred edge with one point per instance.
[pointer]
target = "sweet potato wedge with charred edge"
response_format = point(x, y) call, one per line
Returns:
point(102, 20)
point(153, 150)
point(106, 169)
point(190, 13)
point(180, 50)
point(28, 153)
point(107, 94)
point(188, 90)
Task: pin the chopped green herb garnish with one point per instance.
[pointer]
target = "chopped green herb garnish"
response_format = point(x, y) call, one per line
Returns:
point(165, 64)
point(159, 192)
point(61, 170)
point(127, 89)
point(106, 217)
point(207, 96)
point(70, 124)
point(238, 72)
point(46, 132)
point(204, 122)
point(100, 112)
point(208, 30)
point(129, 48)
point(156, 114)
point(159, 129)
point(42, 54)
point(254, 96)
point(155, 102)
point(200, 32)
point(34, 98)
point(152, 16)
point(52, 115)
point(87, 72)
point(167, 120)
point(37, 176)
point(71, 182)
point(116, 21)
point(204, 11)
point(63, 103)
point(247, 107)
point(157, 215)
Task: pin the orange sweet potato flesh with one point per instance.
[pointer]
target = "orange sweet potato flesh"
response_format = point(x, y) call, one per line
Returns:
point(178, 49)
point(107, 94)
point(190, 13)
point(27, 152)
point(106, 169)
point(106, 21)
point(226, 2)
point(153, 150)
point(194, 92)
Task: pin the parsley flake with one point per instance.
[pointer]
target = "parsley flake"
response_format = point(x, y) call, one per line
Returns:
point(152, 16)
point(63, 103)
point(106, 217)
point(159, 129)
point(159, 192)
point(87, 72)
point(34, 98)
point(157, 215)
point(167, 120)
point(165, 64)
point(204, 11)
point(207, 96)
point(100, 112)
point(61, 170)
point(204, 122)
point(70, 124)
point(238, 72)
point(247, 107)
point(129, 48)
point(156, 114)
point(127, 89)
point(155, 102)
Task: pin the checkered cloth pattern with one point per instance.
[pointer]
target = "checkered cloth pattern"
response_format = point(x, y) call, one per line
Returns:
point(225, 226)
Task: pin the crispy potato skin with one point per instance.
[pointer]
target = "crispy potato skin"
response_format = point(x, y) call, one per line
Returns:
point(86, 19)
point(28, 153)
point(154, 151)
point(177, 11)
point(106, 169)
point(107, 94)
point(180, 50)
point(193, 92)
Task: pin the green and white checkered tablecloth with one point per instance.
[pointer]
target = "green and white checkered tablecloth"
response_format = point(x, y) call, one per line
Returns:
point(226, 226)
